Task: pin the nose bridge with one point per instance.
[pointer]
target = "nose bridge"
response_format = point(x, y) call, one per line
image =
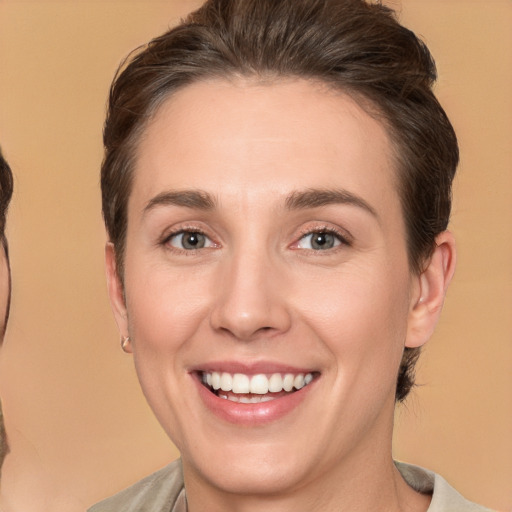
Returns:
point(250, 301)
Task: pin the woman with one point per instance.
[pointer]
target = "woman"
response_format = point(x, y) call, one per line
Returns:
point(276, 190)
point(6, 186)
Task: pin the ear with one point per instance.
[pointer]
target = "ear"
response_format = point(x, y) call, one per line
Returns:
point(116, 294)
point(429, 294)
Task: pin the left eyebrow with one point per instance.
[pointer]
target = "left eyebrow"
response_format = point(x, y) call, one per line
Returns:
point(315, 198)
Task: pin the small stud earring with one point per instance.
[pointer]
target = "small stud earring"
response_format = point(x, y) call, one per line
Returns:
point(124, 341)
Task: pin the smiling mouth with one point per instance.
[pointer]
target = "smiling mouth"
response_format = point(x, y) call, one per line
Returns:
point(251, 389)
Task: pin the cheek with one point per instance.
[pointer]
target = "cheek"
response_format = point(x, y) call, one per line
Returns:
point(164, 309)
point(168, 318)
point(366, 298)
point(360, 314)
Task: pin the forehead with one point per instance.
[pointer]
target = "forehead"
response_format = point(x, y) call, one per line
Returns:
point(233, 136)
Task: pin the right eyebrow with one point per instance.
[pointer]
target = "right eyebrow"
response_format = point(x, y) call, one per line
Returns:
point(196, 199)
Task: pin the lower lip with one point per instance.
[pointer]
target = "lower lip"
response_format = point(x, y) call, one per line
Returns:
point(252, 414)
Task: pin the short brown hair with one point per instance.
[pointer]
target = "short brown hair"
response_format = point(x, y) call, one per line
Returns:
point(6, 186)
point(352, 45)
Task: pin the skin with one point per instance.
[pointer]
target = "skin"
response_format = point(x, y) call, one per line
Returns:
point(259, 292)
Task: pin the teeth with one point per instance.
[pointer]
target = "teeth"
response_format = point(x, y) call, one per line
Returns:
point(275, 383)
point(288, 382)
point(298, 382)
point(226, 382)
point(259, 384)
point(216, 380)
point(254, 399)
point(241, 383)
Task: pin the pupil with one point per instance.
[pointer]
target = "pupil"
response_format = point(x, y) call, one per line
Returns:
point(322, 241)
point(193, 241)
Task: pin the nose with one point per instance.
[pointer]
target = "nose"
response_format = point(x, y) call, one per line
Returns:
point(250, 302)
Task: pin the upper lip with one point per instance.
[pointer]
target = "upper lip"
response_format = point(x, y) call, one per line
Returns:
point(250, 368)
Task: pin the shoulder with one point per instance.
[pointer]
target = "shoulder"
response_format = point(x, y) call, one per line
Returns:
point(444, 497)
point(156, 492)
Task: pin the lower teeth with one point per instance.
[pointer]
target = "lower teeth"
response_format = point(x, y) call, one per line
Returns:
point(247, 399)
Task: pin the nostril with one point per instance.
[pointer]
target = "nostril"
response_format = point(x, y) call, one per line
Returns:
point(249, 334)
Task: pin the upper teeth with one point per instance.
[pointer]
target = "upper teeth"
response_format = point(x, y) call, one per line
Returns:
point(259, 384)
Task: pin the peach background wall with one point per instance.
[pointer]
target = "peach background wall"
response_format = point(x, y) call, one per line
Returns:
point(79, 427)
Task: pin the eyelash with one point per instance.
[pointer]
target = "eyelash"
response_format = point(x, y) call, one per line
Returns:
point(182, 231)
point(342, 238)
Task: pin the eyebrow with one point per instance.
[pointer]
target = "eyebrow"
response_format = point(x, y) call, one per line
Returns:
point(196, 199)
point(315, 198)
point(297, 200)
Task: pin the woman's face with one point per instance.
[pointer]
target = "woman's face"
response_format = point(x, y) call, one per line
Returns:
point(266, 247)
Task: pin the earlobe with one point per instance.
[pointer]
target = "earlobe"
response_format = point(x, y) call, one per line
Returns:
point(433, 283)
point(116, 295)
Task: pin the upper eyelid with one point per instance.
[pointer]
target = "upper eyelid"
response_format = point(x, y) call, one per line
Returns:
point(340, 244)
point(344, 235)
point(168, 234)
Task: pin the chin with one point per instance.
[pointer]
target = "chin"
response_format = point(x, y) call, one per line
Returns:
point(249, 467)
point(255, 477)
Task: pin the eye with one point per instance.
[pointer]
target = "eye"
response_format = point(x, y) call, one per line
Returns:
point(319, 241)
point(189, 240)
